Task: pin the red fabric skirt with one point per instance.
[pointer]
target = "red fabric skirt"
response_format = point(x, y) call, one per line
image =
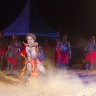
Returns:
point(57, 55)
point(1, 52)
point(12, 61)
point(64, 58)
point(23, 52)
point(91, 57)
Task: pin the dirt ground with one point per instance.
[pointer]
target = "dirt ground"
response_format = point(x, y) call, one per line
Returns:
point(57, 82)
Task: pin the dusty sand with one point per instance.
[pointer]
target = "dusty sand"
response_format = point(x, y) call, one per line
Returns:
point(56, 83)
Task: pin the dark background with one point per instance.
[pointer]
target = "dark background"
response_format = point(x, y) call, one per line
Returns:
point(9, 11)
point(76, 17)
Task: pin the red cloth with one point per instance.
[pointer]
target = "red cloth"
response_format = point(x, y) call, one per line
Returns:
point(64, 58)
point(12, 61)
point(1, 52)
point(57, 55)
point(91, 57)
point(23, 52)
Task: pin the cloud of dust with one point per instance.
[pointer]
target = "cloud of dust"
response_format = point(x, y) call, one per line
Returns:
point(59, 83)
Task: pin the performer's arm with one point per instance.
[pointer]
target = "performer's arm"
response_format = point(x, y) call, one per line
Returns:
point(37, 49)
point(69, 50)
point(86, 48)
point(35, 44)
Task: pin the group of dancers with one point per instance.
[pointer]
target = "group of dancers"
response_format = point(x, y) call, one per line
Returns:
point(33, 58)
point(63, 53)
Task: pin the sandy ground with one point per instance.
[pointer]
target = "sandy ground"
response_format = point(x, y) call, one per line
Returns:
point(55, 83)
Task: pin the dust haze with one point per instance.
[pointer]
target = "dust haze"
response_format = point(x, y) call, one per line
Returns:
point(57, 82)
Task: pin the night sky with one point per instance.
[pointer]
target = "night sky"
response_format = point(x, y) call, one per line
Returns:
point(9, 11)
point(74, 16)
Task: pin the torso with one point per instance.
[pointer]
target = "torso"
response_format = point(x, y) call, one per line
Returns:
point(33, 52)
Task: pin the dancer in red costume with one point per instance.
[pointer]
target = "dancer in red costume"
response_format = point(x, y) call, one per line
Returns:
point(57, 55)
point(90, 55)
point(13, 53)
point(3, 49)
point(65, 52)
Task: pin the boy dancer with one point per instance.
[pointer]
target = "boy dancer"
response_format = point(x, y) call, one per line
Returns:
point(32, 61)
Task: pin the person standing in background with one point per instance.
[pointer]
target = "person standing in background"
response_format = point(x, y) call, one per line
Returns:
point(90, 53)
point(57, 54)
point(42, 55)
point(3, 49)
point(13, 54)
point(65, 52)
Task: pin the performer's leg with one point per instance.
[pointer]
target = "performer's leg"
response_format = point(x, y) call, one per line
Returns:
point(63, 65)
point(88, 66)
point(12, 68)
point(66, 66)
point(40, 67)
point(1, 62)
point(18, 62)
point(8, 66)
point(29, 71)
point(58, 65)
